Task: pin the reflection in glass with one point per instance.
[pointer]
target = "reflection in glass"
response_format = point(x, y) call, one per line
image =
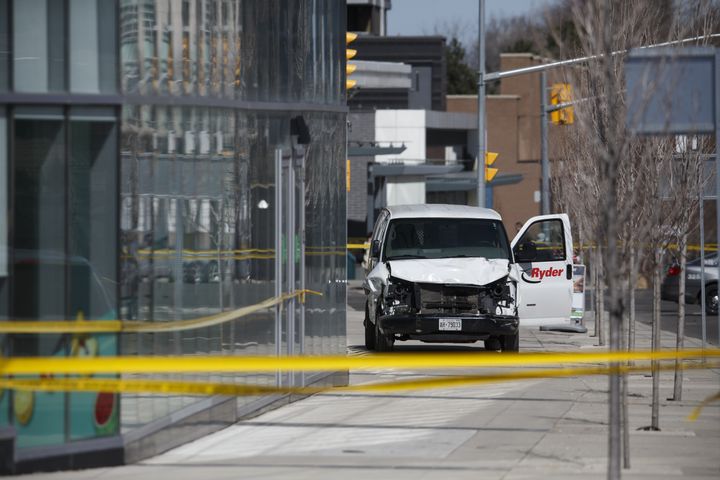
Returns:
point(39, 46)
point(92, 46)
point(39, 239)
point(4, 45)
point(39, 261)
point(92, 221)
point(197, 184)
point(3, 208)
point(4, 267)
point(246, 50)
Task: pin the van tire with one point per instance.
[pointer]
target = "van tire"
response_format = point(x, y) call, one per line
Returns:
point(370, 339)
point(383, 343)
point(510, 343)
point(711, 302)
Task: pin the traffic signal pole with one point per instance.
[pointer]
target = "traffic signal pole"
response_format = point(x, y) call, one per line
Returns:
point(544, 109)
point(481, 106)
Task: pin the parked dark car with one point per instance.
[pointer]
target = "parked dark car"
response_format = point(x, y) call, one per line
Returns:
point(670, 286)
point(192, 272)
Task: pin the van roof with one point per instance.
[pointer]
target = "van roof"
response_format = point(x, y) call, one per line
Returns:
point(442, 211)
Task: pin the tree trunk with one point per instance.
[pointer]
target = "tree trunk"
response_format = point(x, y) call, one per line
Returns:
point(625, 341)
point(625, 423)
point(655, 416)
point(594, 261)
point(633, 285)
point(680, 341)
point(600, 297)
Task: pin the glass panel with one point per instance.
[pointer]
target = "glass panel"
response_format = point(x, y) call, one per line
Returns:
point(30, 44)
point(84, 72)
point(92, 46)
point(3, 206)
point(4, 45)
point(4, 348)
point(197, 184)
point(92, 237)
point(39, 263)
point(56, 46)
point(130, 46)
point(548, 238)
point(107, 45)
point(39, 46)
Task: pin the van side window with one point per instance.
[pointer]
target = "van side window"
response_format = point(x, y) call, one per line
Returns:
point(548, 238)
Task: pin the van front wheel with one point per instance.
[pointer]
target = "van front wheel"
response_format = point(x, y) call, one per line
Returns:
point(510, 343)
point(383, 343)
point(370, 339)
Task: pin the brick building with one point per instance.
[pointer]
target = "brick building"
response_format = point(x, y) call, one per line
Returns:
point(513, 131)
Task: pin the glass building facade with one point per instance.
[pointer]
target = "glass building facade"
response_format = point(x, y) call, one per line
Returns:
point(165, 160)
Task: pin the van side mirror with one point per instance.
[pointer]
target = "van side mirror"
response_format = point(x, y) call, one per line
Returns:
point(375, 249)
point(525, 252)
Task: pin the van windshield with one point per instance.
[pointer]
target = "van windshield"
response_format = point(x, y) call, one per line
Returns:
point(409, 238)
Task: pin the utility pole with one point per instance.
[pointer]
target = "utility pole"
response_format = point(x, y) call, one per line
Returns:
point(481, 106)
point(544, 162)
point(717, 165)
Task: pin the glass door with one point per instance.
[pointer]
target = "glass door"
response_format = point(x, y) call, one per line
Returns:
point(289, 258)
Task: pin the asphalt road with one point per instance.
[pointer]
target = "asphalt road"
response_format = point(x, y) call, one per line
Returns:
point(693, 317)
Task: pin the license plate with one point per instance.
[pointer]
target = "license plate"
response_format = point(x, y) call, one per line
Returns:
point(451, 324)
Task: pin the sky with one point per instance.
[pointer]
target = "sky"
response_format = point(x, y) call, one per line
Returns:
point(423, 17)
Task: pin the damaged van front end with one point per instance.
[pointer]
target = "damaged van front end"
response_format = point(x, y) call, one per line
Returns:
point(458, 300)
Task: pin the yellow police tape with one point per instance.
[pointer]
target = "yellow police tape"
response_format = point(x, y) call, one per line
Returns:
point(157, 386)
point(122, 326)
point(710, 247)
point(206, 388)
point(241, 364)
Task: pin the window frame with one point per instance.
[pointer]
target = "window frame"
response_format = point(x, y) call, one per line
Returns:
point(542, 220)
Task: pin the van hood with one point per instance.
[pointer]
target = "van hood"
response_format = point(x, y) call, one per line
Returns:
point(465, 271)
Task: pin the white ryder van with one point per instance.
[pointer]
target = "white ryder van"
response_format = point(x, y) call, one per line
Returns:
point(447, 273)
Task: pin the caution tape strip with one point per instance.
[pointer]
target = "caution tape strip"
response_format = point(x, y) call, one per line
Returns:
point(206, 388)
point(122, 326)
point(241, 364)
point(116, 385)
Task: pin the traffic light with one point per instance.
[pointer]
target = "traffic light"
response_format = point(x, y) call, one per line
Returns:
point(561, 93)
point(490, 173)
point(349, 67)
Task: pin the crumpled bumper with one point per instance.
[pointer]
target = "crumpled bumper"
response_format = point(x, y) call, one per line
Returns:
point(419, 324)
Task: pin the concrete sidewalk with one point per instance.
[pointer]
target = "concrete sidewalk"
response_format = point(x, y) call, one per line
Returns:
point(572, 413)
point(549, 428)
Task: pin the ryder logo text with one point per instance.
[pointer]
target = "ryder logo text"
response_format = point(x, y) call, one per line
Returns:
point(548, 272)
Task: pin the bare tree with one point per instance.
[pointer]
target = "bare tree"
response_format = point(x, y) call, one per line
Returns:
point(620, 177)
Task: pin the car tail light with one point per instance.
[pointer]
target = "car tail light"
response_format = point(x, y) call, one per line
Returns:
point(673, 271)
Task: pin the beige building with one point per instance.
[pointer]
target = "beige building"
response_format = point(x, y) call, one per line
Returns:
point(513, 131)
